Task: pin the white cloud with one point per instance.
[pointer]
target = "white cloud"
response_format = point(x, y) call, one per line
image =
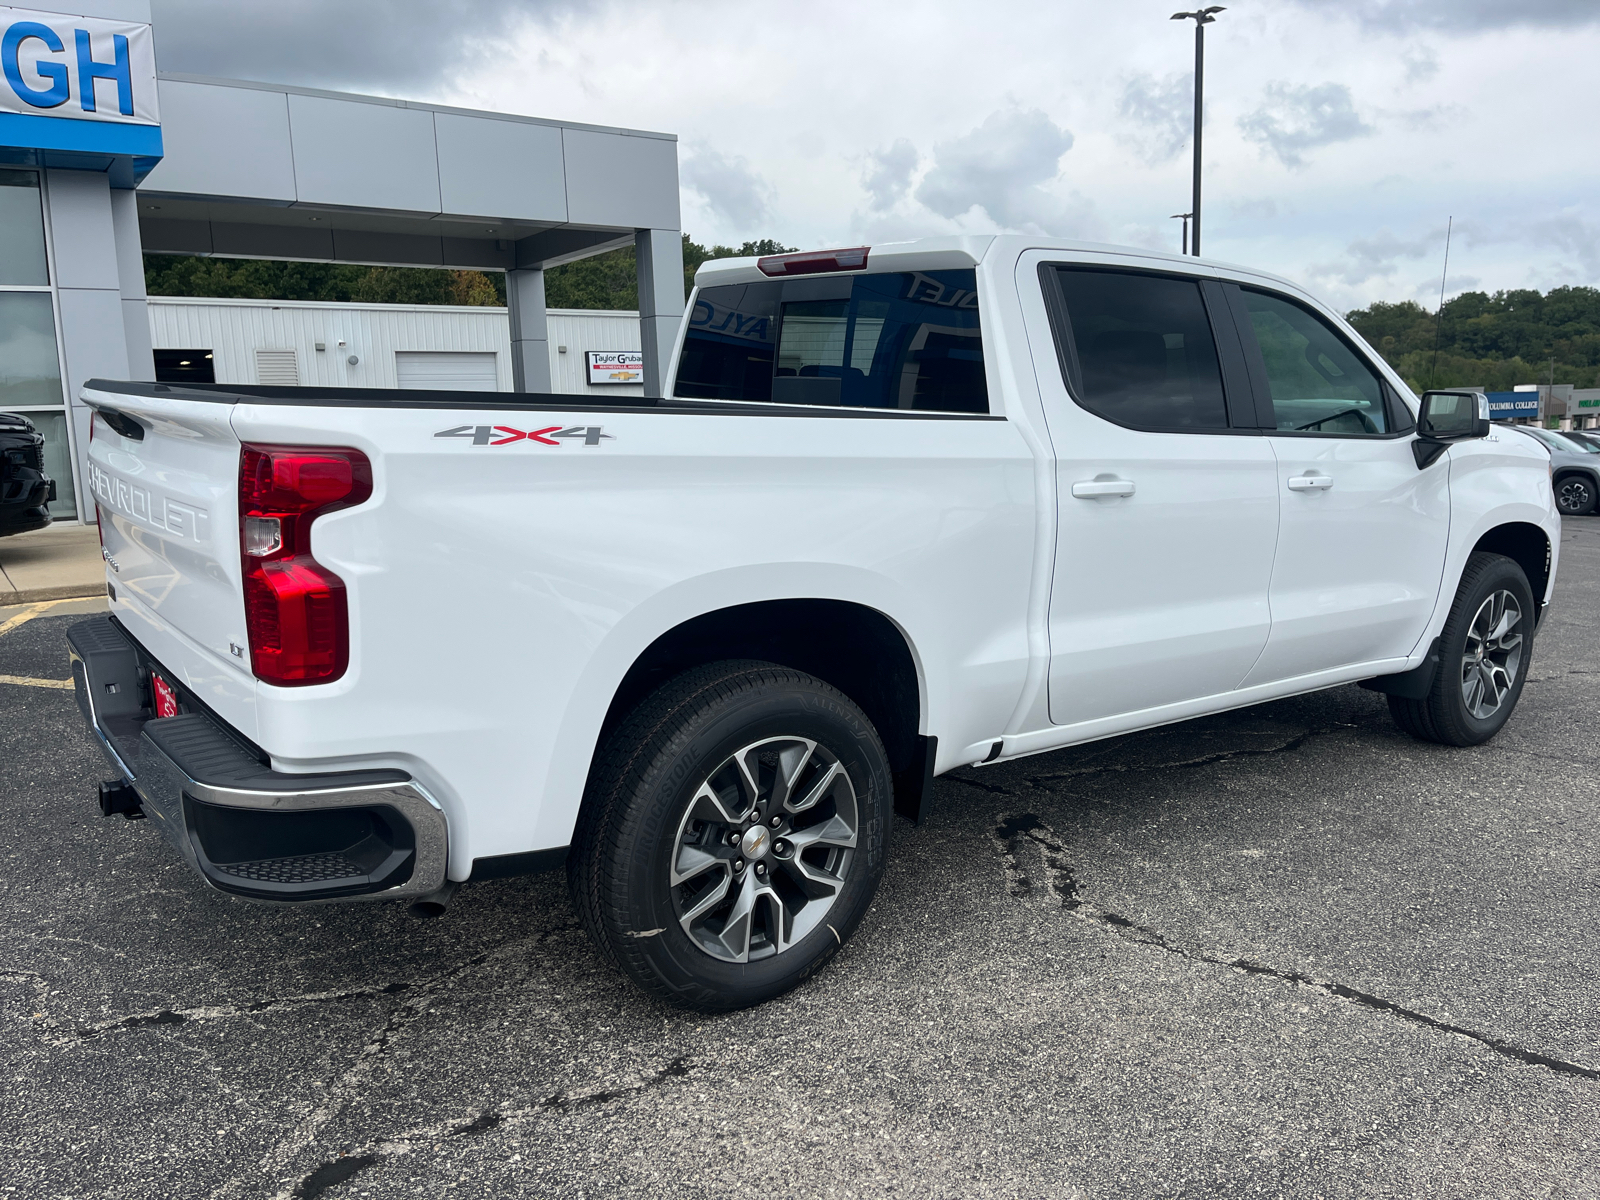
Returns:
point(1162, 112)
point(1378, 255)
point(381, 44)
point(1421, 64)
point(1576, 240)
point(729, 187)
point(1297, 118)
point(889, 175)
point(999, 167)
point(1265, 209)
point(1461, 17)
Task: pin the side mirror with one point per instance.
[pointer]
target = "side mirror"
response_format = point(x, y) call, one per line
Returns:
point(1448, 417)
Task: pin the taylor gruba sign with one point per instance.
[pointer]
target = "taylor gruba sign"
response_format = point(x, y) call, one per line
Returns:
point(80, 68)
point(614, 366)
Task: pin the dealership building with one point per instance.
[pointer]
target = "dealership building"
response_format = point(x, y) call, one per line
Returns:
point(102, 160)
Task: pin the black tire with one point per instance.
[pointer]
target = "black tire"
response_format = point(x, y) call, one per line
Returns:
point(1575, 495)
point(638, 806)
point(1443, 716)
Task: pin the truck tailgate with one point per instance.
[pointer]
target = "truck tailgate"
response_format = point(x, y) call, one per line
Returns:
point(164, 474)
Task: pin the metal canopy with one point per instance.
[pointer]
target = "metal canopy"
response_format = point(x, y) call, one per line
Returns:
point(254, 170)
point(271, 171)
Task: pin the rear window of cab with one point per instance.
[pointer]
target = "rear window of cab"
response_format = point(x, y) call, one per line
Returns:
point(907, 340)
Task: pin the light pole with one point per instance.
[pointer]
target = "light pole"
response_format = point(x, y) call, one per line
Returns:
point(1201, 18)
point(1184, 217)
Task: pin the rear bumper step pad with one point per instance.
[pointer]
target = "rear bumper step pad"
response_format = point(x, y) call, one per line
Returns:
point(246, 828)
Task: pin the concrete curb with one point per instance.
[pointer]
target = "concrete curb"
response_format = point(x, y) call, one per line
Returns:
point(71, 591)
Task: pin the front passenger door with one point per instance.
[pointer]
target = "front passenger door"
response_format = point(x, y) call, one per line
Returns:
point(1362, 532)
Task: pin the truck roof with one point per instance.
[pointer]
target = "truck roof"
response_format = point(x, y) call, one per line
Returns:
point(946, 253)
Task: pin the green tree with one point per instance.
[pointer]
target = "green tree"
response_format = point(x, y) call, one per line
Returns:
point(604, 281)
point(1497, 340)
point(611, 280)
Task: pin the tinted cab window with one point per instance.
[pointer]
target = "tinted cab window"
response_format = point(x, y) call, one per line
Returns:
point(1138, 349)
point(908, 340)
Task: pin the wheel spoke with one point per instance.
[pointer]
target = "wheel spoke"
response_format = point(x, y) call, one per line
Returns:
point(818, 790)
point(693, 862)
point(780, 921)
point(707, 805)
point(734, 937)
point(1499, 681)
point(749, 776)
point(811, 879)
point(792, 761)
point(832, 832)
point(706, 903)
point(1491, 688)
point(1502, 627)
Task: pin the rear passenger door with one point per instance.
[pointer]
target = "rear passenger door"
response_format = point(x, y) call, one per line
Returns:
point(1361, 540)
point(1166, 489)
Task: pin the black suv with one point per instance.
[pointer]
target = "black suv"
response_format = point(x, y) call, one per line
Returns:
point(24, 487)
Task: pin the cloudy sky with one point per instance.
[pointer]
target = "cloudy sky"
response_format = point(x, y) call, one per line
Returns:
point(1339, 136)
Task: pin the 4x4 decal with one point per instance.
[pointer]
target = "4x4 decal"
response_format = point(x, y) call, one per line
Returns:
point(504, 435)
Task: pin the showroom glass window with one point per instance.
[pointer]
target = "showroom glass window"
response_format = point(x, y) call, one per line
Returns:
point(901, 339)
point(1319, 384)
point(30, 364)
point(1137, 349)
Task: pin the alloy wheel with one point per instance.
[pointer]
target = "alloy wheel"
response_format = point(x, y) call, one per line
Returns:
point(763, 848)
point(1493, 654)
point(1574, 496)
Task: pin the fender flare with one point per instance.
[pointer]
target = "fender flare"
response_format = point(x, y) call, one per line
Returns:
point(640, 628)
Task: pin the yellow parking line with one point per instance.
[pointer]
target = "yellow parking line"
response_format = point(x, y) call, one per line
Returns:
point(29, 611)
point(25, 681)
point(27, 614)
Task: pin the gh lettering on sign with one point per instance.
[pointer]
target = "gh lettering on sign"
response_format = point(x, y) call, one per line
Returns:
point(78, 67)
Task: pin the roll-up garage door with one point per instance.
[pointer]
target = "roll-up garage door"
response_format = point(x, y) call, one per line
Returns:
point(446, 370)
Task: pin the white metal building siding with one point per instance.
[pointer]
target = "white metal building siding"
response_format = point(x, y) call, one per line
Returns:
point(233, 330)
point(579, 330)
point(447, 370)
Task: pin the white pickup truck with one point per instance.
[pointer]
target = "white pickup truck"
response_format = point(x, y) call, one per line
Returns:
point(908, 508)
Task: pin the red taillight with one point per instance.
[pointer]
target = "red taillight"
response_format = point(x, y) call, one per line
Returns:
point(294, 607)
point(814, 262)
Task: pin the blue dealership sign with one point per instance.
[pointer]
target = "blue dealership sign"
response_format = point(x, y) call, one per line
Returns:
point(1513, 404)
point(77, 86)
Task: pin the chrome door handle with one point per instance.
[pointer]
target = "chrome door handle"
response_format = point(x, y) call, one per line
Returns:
point(1309, 483)
point(1088, 489)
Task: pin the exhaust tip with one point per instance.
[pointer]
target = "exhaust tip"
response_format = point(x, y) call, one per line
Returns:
point(433, 905)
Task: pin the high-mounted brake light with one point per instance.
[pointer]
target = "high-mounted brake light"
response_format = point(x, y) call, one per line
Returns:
point(814, 262)
point(294, 608)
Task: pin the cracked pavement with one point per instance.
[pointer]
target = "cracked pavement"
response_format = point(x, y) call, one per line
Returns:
point(1286, 951)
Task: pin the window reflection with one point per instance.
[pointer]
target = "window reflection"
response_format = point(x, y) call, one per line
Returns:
point(57, 461)
point(22, 259)
point(30, 372)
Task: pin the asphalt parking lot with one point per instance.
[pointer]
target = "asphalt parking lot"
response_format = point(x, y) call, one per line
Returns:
point(1283, 952)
